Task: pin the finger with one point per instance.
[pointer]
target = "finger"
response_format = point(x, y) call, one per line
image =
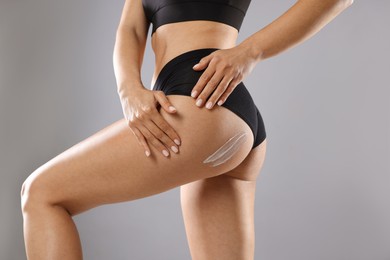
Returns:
point(232, 85)
point(164, 102)
point(209, 88)
point(173, 138)
point(152, 115)
point(160, 134)
point(206, 75)
point(223, 85)
point(202, 81)
point(153, 140)
point(141, 140)
point(203, 63)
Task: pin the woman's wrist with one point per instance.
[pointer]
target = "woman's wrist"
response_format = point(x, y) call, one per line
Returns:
point(251, 49)
point(125, 87)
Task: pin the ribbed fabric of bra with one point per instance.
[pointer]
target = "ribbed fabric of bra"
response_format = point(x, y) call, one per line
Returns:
point(160, 12)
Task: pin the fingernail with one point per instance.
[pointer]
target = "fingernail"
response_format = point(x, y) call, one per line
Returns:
point(147, 153)
point(193, 94)
point(209, 104)
point(177, 141)
point(220, 102)
point(196, 65)
point(165, 152)
point(199, 102)
point(174, 148)
point(172, 108)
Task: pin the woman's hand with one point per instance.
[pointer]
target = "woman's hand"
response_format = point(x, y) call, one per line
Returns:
point(226, 68)
point(140, 109)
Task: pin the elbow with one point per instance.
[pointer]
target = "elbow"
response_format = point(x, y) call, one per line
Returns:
point(340, 5)
point(345, 3)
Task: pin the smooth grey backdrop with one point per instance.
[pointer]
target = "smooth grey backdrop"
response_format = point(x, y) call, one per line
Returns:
point(324, 189)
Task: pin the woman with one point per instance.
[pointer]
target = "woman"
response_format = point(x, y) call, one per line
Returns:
point(217, 151)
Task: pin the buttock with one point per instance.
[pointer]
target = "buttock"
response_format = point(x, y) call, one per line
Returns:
point(178, 77)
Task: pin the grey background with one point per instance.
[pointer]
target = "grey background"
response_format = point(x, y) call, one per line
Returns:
point(324, 190)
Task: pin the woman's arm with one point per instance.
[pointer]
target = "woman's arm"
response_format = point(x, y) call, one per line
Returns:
point(300, 22)
point(226, 68)
point(139, 104)
point(129, 49)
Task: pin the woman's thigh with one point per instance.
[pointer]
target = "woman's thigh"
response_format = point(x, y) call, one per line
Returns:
point(110, 166)
point(222, 207)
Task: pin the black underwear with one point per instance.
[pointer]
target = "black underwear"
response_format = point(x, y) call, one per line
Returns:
point(178, 77)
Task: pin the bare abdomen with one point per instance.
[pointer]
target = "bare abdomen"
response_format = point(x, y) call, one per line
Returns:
point(171, 40)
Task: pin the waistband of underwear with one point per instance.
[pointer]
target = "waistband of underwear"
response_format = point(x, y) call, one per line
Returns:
point(189, 55)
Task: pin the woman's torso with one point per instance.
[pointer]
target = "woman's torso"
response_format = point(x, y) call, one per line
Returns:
point(179, 26)
point(171, 40)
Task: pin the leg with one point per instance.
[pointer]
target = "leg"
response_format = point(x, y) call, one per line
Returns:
point(219, 211)
point(111, 167)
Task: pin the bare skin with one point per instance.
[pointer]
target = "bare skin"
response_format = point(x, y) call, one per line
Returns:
point(110, 166)
point(189, 36)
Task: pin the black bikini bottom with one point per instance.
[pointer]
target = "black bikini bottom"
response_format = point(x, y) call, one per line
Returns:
point(178, 77)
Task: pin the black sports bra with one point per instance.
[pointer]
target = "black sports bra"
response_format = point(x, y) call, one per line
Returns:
point(160, 12)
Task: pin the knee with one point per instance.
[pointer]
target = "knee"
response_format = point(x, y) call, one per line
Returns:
point(33, 193)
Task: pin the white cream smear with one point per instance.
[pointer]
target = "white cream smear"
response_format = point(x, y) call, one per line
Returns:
point(227, 150)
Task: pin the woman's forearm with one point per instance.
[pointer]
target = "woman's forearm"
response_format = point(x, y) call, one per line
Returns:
point(300, 22)
point(127, 59)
